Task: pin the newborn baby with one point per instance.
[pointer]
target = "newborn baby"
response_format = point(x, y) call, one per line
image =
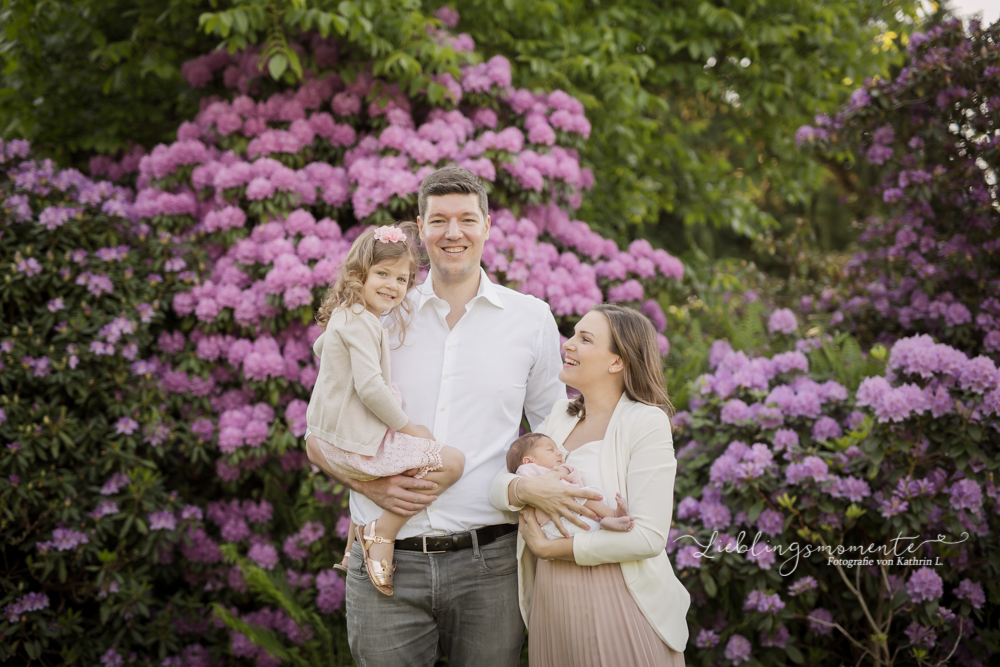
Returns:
point(535, 454)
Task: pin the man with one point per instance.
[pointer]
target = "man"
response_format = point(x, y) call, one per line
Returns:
point(475, 356)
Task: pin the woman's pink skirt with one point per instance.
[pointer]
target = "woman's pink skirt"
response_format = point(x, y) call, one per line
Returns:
point(397, 454)
point(585, 617)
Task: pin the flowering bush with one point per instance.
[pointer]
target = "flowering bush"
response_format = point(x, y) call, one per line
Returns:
point(931, 262)
point(797, 463)
point(90, 509)
point(244, 221)
point(266, 197)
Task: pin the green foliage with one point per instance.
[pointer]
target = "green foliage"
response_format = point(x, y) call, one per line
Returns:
point(694, 103)
point(841, 358)
point(687, 154)
point(70, 411)
point(892, 477)
point(271, 588)
point(86, 76)
point(99, 76)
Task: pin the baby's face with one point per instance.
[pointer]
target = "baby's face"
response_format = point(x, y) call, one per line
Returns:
point(544, 453)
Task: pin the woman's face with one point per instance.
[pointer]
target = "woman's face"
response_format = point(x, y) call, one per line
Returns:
point(588, 359)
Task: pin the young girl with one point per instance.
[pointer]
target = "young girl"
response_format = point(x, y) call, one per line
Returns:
point(354, 412)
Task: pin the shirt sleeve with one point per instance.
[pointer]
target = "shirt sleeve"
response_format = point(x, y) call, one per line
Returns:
point(501, 482)
point(650, 485)
point(364, 345)
point(544, 387)
point(498, 491)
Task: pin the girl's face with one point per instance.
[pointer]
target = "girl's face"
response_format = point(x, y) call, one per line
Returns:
point(588, 359)
point(386, 285)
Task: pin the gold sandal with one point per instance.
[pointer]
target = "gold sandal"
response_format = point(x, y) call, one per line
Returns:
point(342, 566)
point(379, 572)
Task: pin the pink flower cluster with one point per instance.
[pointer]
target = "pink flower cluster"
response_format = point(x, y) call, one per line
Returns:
point(63, 539)
point(26, 603)
point(740, 463)
point(946, 369)
point(571, 285)
point(294, 545)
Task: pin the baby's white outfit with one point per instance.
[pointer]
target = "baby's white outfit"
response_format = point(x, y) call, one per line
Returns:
point(574, 478)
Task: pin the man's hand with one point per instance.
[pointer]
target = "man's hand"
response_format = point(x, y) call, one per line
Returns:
point(395, 494)
point(549, 494)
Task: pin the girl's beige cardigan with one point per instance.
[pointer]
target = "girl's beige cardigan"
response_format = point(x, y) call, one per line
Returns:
point(352, 404)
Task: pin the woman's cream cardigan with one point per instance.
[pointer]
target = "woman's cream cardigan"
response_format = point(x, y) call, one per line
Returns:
point(637, 461)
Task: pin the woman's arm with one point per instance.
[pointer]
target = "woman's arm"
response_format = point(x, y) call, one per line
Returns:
point(540, 544)
point(546, 492)
point(650, 486)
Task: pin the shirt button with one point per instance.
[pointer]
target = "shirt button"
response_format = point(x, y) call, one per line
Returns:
point(442, 409)
point(449, 347)
point(445, 376)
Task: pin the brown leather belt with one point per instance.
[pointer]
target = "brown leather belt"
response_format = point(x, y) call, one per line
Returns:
point(437, 544)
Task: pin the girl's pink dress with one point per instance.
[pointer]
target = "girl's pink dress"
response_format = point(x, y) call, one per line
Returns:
point(397, 454)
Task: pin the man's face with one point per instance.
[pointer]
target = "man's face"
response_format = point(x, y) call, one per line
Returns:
point(454, 233)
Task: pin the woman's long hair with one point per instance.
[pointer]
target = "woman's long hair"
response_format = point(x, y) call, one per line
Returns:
point(365, 252)
point(633, 338)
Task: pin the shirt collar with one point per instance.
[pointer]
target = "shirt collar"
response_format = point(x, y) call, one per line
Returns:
point(487, 290)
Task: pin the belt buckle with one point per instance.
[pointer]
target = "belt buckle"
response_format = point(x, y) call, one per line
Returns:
point(424, 538)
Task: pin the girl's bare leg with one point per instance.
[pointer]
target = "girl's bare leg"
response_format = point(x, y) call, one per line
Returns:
point(388, 525)
point(344, 562)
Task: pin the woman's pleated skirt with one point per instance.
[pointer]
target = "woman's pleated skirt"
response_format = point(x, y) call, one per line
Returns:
point(585, 617)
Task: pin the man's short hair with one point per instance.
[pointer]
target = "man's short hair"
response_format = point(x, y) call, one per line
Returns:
point(452, 181)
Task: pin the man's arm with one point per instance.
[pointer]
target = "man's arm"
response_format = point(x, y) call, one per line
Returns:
point(544, 387)
point(393, 494)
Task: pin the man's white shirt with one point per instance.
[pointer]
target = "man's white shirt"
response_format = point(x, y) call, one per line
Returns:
point(469, 385)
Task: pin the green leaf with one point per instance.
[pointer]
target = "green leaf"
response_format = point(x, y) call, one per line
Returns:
point(794, 654)
point(226, 23)
point(240, 20)
point(276, 65)
point(899, 598)
point(709, 583)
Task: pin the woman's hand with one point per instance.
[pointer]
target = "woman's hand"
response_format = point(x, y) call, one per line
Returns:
point(541, 545)
point(549, 494)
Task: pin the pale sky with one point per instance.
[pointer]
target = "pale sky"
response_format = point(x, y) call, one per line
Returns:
point(988, 10)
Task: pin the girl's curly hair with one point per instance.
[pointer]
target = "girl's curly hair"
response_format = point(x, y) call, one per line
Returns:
point(365, 252)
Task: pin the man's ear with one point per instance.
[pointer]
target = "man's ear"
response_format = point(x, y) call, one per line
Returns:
point(420, 230)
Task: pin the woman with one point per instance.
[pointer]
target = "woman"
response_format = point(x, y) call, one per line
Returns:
point(604, 597)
